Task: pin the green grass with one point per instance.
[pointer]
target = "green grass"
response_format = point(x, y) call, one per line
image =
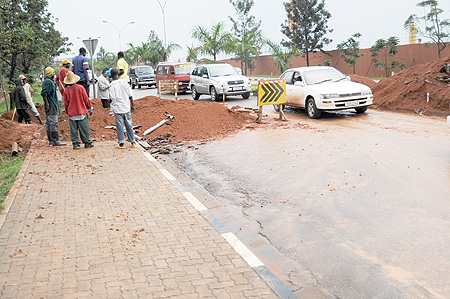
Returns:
point(9, 168)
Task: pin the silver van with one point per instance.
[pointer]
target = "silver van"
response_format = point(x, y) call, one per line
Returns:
point(217, 79)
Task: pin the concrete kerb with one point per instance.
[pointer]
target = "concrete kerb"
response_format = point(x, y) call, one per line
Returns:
point(252, 260)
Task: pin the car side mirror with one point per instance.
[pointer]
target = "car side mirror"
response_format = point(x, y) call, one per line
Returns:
point(205, 76)
point(348, 77)
point(299, 83)
point(172, 73)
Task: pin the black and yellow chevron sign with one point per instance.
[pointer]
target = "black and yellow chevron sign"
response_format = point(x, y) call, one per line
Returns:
point(271, 92)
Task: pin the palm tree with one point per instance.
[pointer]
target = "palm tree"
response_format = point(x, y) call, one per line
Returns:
point(282, 59)
point(141, 53)
point(192, 54)
point(246, 48)
point(214, 41)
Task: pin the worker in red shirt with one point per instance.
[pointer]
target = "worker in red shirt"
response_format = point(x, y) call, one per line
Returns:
point(59, 79)
point(77, 104)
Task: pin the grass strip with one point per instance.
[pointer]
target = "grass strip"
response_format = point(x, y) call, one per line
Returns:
point(9, 168)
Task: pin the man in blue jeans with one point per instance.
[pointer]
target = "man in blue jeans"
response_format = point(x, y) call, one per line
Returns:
point(121, 97)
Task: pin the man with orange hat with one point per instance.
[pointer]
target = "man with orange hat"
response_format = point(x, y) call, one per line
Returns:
point(60, 78)
point(51, 106)
point(77, 104)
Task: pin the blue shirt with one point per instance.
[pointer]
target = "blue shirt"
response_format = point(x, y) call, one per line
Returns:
point(79, 64)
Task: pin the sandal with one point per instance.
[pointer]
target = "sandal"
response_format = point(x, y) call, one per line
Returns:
point(134, 145)
point(120, 146)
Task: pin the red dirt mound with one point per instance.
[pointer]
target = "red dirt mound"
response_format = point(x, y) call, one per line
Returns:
point(194, 121)
point(363, 80)
point(407, 90)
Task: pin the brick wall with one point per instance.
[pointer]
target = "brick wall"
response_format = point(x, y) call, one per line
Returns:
point(410, 55)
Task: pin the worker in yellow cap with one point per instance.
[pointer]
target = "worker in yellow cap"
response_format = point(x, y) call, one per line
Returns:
point(59, 79)
point(51, 106)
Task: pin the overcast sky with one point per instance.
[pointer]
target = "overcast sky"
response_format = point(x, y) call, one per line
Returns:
point(84, 19)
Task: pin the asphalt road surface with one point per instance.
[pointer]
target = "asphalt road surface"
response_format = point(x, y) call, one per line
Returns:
point(360, 202)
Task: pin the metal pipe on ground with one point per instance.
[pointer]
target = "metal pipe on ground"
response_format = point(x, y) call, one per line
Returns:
point(15, 149)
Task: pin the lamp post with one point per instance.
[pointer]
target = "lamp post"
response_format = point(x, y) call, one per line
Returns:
point(119, 32)
point(163, 7)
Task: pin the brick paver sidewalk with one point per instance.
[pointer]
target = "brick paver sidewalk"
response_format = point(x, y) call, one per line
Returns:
point(105, 223)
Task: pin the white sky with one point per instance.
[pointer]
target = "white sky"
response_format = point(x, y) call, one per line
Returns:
point(84, 19)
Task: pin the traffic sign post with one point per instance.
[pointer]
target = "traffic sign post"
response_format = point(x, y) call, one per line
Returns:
point(271, 92)
point(91, 44)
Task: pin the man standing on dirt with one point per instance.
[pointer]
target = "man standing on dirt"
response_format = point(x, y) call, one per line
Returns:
point(121, 96)
point(122, 66)
point(60, 78)
point(51, 105)
point(80, 66)
point(20, 101)
point(77, 104)
point(28, 90)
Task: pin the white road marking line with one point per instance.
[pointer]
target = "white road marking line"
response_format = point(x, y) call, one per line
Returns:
point(243, 251)
point(194, 202)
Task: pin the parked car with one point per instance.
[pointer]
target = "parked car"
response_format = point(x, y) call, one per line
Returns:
point(321, 88)
point(180, 71)
point(142, 75)
point(217, 79)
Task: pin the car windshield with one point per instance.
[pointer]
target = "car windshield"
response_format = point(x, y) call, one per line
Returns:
point(322, 76)
point(144, 70)
point(184, 69)
point(222, 70)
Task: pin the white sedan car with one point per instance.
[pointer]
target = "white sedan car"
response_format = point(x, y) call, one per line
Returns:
point(320, 88)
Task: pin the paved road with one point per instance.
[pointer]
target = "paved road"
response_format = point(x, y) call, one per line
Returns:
point(230, 101)
point(360, 202)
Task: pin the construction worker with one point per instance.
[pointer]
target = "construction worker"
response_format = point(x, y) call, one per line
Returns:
point(60, 79)
point(51, 106)
point(28, 91)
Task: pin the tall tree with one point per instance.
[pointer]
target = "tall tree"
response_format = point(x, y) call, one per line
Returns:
point(282, 58)
point(158, 51)
point(351, 51)
point(28, 39)
point(192, 54)
point(105, 59)
point(212, 42)
point(388, 49)
point(306, 26)
point(436, 29)
point(247, 41)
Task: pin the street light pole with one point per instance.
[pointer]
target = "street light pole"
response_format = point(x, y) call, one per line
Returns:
point(119, 32)
point(163, 7)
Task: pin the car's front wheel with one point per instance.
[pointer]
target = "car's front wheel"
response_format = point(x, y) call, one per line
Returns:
point(246, 95)
point(195, 94)
point(214, 95)
point(312, 110)
point(360, 110)
point(132, 85)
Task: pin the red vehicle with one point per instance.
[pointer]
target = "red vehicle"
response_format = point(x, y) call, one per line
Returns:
point(180, 71)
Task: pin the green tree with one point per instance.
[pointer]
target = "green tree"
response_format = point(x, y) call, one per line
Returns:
point(436, 29)
point(247, 41)
point(212, 42)
point(306, 26)
point(105, 59)
point(282, 59)
point(158, 51)
point(388, 49)
point(192, 54)
point(351, 51)
point(28, 39)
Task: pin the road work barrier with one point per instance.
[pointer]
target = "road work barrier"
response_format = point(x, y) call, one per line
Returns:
point(168, 87)
point(271, 92)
